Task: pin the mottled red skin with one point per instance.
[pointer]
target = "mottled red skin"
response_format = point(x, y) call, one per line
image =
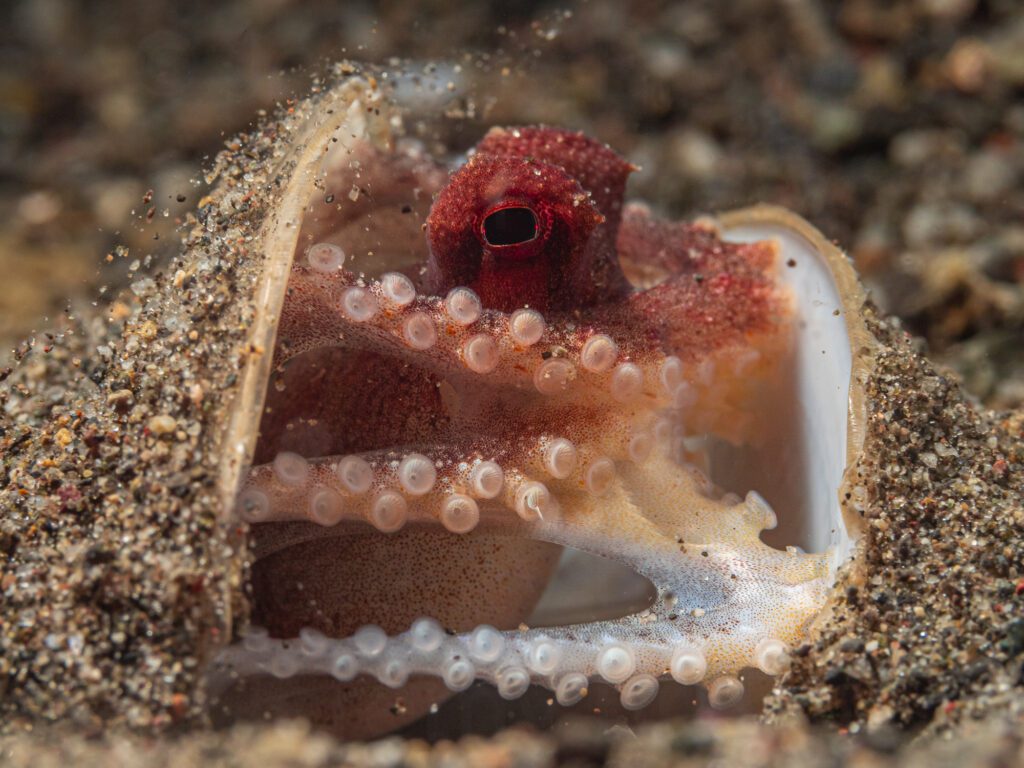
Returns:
point(710, 292)
point(534, 273)
point(711, 295)
point(718, 292)
point(575, 186)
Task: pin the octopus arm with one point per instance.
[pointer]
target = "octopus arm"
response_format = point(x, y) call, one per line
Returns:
point(519, 387)
point(725, 601)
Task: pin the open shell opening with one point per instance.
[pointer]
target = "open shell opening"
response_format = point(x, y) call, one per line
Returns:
point(373, 457)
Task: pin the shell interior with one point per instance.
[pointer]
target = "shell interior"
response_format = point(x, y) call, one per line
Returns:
point(349, 610)
point(808, 452)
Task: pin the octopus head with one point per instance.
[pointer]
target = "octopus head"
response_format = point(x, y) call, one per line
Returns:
point(456, 426)
point(517, 222)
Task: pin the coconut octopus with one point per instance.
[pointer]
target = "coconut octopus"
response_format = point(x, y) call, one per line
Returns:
point(551, 372)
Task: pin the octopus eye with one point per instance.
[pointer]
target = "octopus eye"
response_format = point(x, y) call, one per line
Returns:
point(510, 226)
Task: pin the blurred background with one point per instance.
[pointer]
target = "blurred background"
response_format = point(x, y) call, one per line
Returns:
point(895, 127)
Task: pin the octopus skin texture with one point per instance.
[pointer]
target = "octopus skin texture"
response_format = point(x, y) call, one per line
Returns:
point(434, 437)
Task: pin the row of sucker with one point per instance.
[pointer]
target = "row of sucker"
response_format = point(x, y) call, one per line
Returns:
point(512, 661)
point(700, 548)
point(609, 456)
point(456, 334)
point(387, 489)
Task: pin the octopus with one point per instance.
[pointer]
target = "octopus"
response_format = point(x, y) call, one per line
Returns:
point(549, 375)
point(389, 426)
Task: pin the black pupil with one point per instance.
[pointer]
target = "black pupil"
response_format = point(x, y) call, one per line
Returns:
point(510, 226)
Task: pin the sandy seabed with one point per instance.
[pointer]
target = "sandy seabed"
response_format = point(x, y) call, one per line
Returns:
point(910, 155)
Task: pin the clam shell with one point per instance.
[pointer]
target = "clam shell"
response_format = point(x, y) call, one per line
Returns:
point(148, 525)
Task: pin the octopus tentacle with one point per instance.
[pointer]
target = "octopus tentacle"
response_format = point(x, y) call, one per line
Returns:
point(451, 336)
point(725, 601)
point(622, 491)
point(519, 387)
point(730, 600)
point(495, 349)
point(562, 661)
